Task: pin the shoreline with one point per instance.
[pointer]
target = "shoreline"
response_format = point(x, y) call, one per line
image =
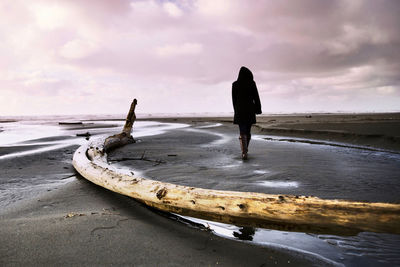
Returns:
point(375, 130)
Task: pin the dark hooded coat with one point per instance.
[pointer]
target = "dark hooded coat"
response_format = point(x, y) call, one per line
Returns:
point(246, 102)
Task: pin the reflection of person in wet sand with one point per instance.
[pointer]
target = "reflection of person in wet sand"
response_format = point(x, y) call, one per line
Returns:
point(246, 104)
point(245, 233)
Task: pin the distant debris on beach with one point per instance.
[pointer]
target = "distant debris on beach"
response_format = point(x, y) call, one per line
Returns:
point(6, 121)
point(87, 134)
point(70, 123)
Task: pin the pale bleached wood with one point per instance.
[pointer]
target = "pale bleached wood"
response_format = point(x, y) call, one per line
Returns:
point(283, 212)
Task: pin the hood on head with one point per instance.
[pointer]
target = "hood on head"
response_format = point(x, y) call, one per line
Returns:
point(245, 74)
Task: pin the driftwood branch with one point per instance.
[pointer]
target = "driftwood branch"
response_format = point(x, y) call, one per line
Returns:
point(283, 212)
point(130, 118)
point(125, 136)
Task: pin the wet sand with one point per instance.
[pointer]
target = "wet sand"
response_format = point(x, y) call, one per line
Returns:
point(376, 130)
point(73, 222)
point(208, 155)
point(78, 223)
point(108, 229)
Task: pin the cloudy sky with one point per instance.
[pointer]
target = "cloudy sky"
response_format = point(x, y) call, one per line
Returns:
point(95, 56)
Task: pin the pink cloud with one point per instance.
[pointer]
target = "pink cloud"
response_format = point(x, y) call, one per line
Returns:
point(303, 52)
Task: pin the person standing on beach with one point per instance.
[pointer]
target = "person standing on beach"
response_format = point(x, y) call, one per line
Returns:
point(246, 104)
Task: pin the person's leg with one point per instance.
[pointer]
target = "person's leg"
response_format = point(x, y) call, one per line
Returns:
point(248, 133)
point(243, 129)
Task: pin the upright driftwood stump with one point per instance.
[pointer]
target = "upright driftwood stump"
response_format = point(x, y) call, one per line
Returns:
point(283, 212)
point(125, 136)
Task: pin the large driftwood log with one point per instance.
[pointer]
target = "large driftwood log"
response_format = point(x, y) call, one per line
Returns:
point(283, 212)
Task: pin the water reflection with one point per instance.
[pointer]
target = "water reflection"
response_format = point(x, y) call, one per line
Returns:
point(245, 233)
point(363, 249)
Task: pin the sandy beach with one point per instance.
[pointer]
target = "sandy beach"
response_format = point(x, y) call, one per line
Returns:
point(70, 221)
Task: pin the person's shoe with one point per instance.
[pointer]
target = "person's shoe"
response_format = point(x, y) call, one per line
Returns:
point(243, 145)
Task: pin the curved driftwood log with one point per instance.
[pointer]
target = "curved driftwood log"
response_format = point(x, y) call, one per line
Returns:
point(283, 212)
